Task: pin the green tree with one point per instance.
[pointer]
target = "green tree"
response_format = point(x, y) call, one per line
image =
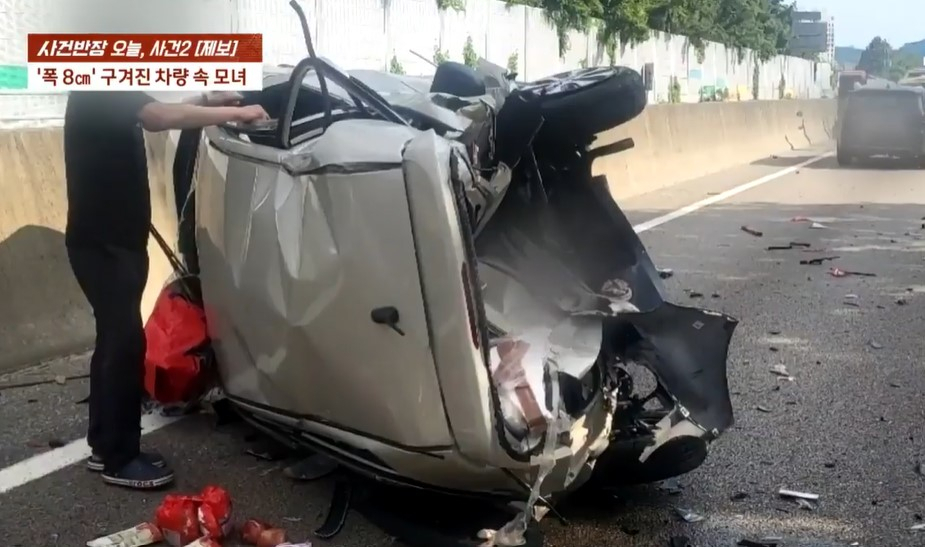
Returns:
point(395, 66)
point(513, 61)
point(440, 56)
point(470, 57)
point(876, 58)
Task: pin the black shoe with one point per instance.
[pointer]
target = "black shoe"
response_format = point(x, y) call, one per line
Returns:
point(139, 474)
point(95, 461)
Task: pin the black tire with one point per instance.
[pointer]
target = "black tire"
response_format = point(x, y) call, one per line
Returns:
point(582, 103)
point(619, 465)
point(457, 79)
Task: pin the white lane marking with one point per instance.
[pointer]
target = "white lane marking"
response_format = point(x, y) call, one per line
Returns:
point(684, 211)
point(46, 463)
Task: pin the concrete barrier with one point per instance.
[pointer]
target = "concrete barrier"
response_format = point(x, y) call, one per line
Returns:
point(678, 142)
point(43, 313)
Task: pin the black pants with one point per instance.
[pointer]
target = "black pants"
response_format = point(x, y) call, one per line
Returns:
point(113, 280)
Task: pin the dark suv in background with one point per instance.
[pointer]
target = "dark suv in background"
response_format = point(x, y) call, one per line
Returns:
point(882, 121)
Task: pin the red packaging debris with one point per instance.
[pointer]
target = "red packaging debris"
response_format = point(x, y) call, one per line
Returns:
point(145, 533)
point(262, 534)
point(215, 512)
point(204, 541)
point(183, 519)
point(177, 518)
point(178, 348)
point(251, 530)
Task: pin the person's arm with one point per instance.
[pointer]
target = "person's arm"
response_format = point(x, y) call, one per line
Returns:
point(157, 116)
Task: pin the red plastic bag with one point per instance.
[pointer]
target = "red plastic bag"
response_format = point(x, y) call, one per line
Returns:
point(177, 347)
point(176, 517)
point(215, 512)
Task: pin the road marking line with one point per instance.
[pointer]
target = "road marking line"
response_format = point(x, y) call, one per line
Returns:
point(44, 464)
point(684, 211)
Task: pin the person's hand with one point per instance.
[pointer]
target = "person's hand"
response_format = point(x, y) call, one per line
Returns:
point(222, 98)
point(251, 114)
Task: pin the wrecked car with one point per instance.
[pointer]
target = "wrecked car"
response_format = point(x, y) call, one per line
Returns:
point(430, 287)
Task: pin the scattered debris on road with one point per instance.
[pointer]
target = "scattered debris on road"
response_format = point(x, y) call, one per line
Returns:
point(875, 345)
point(790, 246)
point(817, 226)
point(817, 261)
point(763, 542)
point(672, 487)
point(781, 372)
point(688, 516)
point(752, 231)
point(901, 301)
point(694, 294)
point(739, 496)
point(764, 409)
point(838, 272)
point(665, 273)
point(917, 527)
point(57, 379)
point(851, 300)
point(796, 495)
point(143, 534)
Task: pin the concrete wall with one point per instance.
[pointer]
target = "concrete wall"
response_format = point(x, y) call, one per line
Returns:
point(368, 33)
point(43, 313)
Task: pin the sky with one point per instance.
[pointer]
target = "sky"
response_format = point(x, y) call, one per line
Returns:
point(857, 22)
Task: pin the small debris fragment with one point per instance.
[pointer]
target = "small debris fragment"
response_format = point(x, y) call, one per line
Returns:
point(738, 496)
point(60, 379)
point(851, 300)
point(752, 231)
point(55, 443)
point(671, 486)
point(715, 295)
point(917, 527)
point(838, 272)
point(817, 226)
point(806, 505)
point(875, 345)
point(901, 301)
point(145, 533)
point(829, 465)
point(665, 273)
point(817, 261)
point(764, 542)
point(764, 409)
point(919, 469)
point(773, 349)
point(789, 246)
point(687, 515)
point(695, 294)
point(781, 371)
point(794, 494)
point(774, 332)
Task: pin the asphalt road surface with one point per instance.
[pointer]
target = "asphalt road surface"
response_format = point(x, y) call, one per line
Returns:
point(848, 427)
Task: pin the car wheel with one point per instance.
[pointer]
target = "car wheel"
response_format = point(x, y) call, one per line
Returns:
point(619, 465)
point(582, 103)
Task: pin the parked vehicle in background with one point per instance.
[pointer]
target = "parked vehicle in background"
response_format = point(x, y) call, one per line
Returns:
point(887, 121)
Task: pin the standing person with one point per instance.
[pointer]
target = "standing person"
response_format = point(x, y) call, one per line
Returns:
point(109, 214)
